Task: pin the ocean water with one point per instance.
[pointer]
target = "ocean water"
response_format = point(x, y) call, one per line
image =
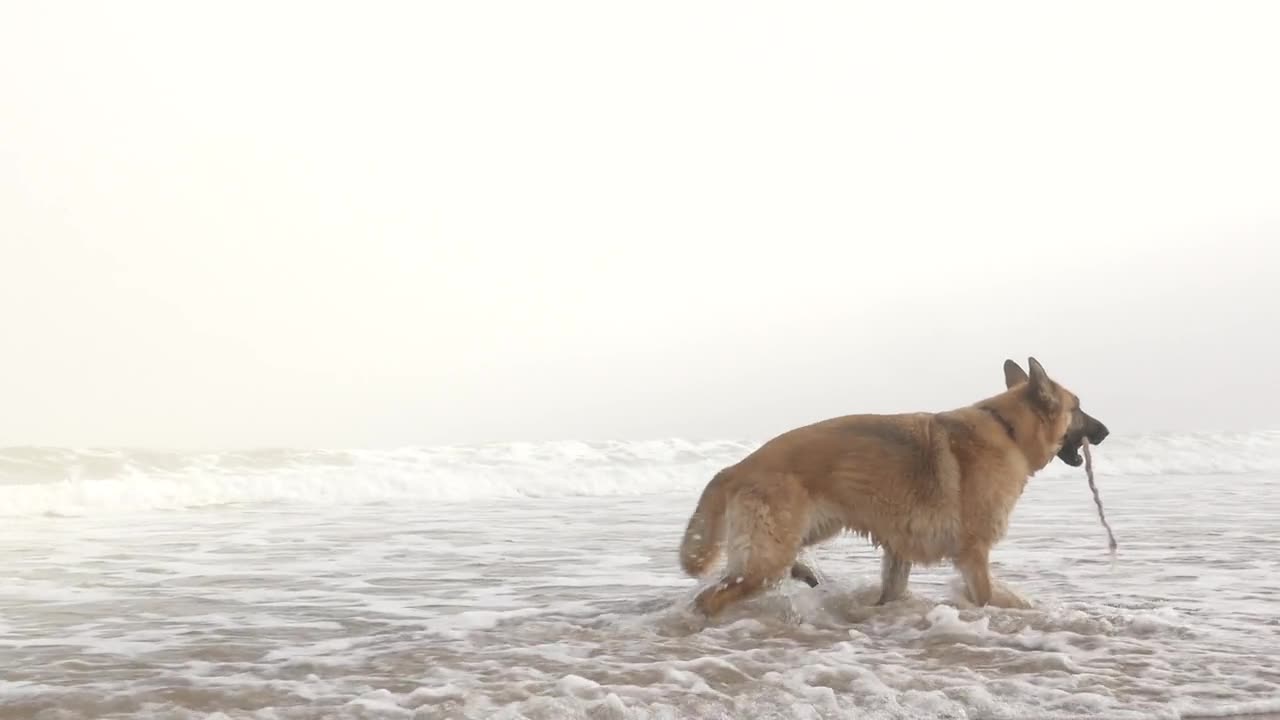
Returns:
point(540, 581)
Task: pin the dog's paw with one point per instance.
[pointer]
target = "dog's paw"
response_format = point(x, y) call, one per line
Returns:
point(1003, 596)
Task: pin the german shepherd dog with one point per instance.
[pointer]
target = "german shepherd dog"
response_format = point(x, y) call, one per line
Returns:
point(924, 487)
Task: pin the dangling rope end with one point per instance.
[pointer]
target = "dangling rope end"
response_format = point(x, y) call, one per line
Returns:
point(1097, 500)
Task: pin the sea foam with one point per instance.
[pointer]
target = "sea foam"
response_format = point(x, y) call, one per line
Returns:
point(64, 481)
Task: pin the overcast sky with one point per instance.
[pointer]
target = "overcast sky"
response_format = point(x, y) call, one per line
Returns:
point(374, 224)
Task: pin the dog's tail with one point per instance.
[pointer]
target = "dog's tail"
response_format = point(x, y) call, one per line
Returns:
point(701, 544)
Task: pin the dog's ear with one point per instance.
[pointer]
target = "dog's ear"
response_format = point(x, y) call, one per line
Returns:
point(1013, 374)
point(1041, 385)
point(1038, 375)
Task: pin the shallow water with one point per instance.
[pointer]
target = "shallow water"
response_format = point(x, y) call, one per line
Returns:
point(573, 606)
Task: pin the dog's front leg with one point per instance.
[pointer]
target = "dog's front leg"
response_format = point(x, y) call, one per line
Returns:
point(973, 564)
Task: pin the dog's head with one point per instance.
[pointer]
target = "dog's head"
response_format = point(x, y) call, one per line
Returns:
point(1063, 425)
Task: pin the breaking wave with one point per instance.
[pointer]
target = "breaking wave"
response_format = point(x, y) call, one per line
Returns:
point(63, 481)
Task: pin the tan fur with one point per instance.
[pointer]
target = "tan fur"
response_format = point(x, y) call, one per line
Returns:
point(925, 487)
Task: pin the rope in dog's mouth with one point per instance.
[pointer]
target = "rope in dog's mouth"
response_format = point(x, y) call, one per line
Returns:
point(1097, 500)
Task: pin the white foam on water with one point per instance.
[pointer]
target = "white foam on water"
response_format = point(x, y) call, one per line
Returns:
point(38, 481)
point(384, 585)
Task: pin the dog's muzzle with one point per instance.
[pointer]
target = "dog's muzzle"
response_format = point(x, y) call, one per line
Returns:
point(1092, 430)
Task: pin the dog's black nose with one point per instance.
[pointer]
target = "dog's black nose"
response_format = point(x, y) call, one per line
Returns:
point(1099, 434)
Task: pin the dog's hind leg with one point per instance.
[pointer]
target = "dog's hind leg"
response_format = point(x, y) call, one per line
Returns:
point(804, 574)
point(821, 528)
point(731, 589)
point(894, 572)
point(762, 538)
